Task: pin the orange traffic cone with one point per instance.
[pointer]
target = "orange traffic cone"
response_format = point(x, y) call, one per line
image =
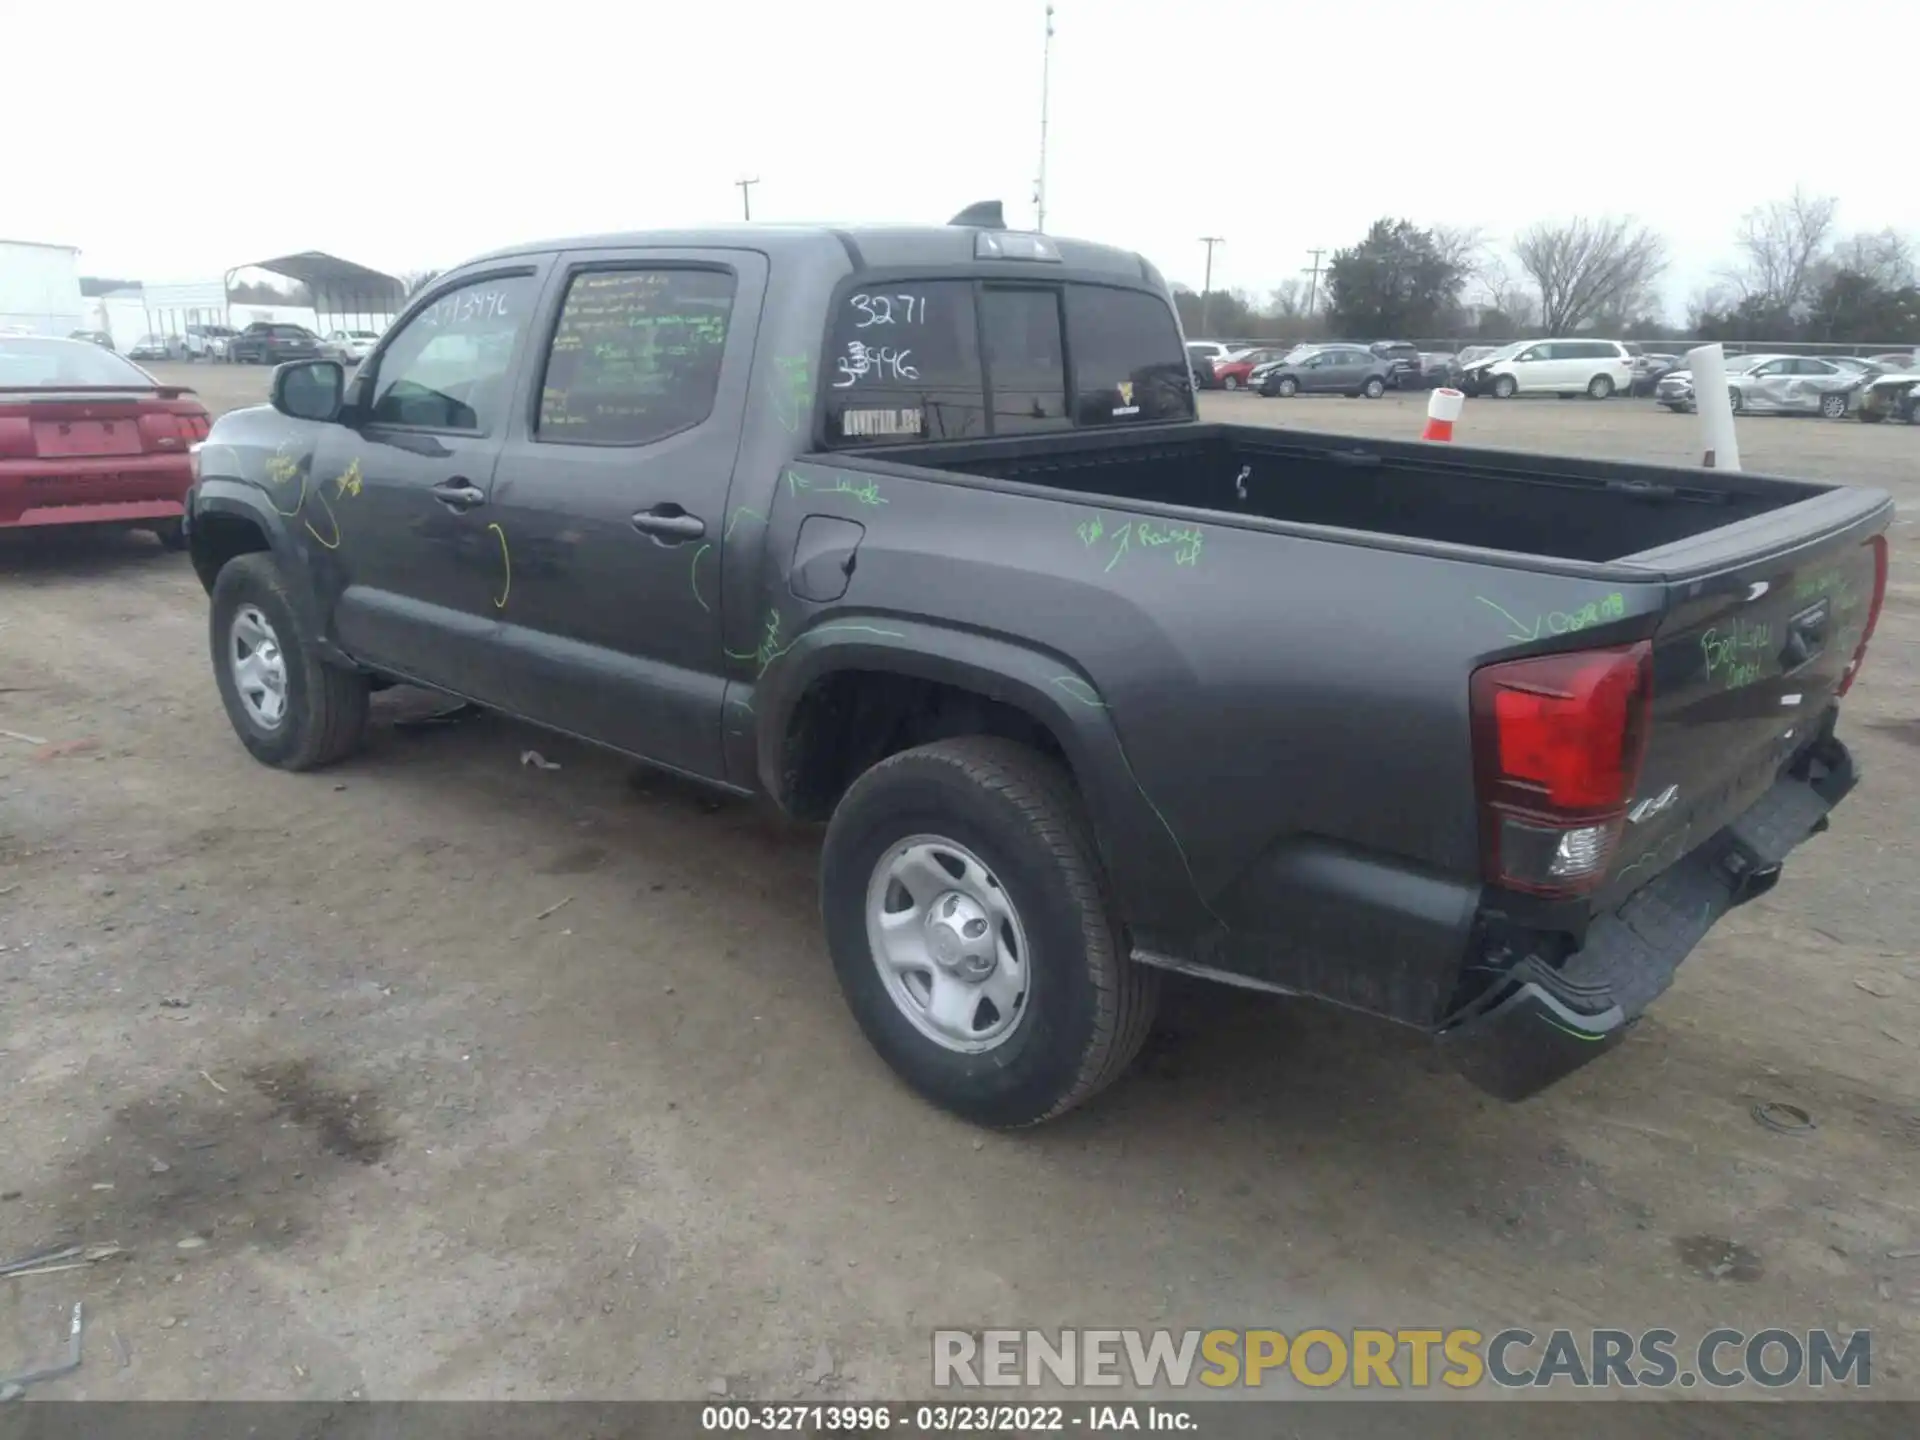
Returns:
point(1442, 410)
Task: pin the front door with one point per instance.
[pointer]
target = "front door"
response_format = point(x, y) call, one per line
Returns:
point(397, 494)
point(612, 498)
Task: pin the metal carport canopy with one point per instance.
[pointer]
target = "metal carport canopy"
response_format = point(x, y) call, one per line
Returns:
point(339, 288)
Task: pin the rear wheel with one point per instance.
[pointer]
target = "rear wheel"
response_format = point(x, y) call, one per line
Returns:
point(289, 707)
point(1504, 387)
point(1374, 388)
point(1833, 407)
point(973, 934)
point(1600, 387)
point(1232, 382)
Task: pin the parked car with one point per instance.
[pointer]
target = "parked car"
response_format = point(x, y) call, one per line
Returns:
point(264, 343)
point(1596, 368)
point(1894, 393)
point(1898, 361)
point(154, 347)
point(1054, 769)
point(1212, 349)
point(1649, 368)
point(212, 341)
point(349, 347)
point(1774, 384)
point(1201, 361)
point(94, 337)
point(1469, 354)
point(1403, 359)
point(89, 438)
point(1236, 372)
point(1438, 368)
point(1328, 370)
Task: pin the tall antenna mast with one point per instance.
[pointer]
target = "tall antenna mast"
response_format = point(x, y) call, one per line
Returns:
point(1040, 184)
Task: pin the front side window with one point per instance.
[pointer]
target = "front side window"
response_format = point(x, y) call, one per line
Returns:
point(447, 367)
point(1125, 346)
point(635, 356)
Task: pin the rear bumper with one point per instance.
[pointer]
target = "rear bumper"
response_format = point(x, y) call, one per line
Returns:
point(1542, 1022)
point(109, 489)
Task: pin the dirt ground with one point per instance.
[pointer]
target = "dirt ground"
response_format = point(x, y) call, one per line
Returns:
point(438, 1075)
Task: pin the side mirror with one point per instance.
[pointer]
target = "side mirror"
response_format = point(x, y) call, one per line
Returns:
point(309, 389)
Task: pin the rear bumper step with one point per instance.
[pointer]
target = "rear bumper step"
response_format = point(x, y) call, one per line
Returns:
point(1542, 1023)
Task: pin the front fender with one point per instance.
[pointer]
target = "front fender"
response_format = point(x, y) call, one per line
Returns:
point(1145, 863)
point(217, 499)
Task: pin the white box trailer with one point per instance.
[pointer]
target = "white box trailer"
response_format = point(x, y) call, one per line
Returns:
point(40, 288)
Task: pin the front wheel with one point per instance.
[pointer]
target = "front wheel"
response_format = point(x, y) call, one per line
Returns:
point(1504, 387)
point(1374, 388)
point(1286, 387)
point(1872, 417)
point(973, 933)
point(1599, 388)
point(1736, 400)
point(289, 707)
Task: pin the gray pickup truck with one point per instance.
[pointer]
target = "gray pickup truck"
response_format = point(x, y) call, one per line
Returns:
point(915, 531)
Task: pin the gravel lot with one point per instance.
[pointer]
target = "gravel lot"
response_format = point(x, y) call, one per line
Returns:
point(437, 1076)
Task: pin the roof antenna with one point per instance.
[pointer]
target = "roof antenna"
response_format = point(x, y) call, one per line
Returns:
point(984, 214)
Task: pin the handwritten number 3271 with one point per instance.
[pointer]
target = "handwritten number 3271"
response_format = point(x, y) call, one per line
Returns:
point(878, 310)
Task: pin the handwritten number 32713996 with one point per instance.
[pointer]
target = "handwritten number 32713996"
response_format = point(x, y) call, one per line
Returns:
point(879, 310)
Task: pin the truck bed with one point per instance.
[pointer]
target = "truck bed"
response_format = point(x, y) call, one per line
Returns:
point(1549, 506)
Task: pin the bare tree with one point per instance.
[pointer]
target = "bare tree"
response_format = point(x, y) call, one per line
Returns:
point(1289, 300)
point(1783, 243)
point(415, 281)
point(1884, 257)
point(1584, 267)
point(1502, 290)
point(1464, 247)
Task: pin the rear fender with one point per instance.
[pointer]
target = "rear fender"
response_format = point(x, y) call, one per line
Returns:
point(1146, 866)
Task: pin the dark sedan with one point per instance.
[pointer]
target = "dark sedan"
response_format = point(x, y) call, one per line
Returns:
point(1327, 370)
point(264, 344)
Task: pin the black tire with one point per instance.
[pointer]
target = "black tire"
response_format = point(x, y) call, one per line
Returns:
point(1286, 387)
point(1600, 387)
point(1504, 387)
point(1872, 417)
point(171, 534)
point(326, 711)
point(1374, 388)
point(1735, 399)
point(1088, 1005)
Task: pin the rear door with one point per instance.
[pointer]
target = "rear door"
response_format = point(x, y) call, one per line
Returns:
point(1745, 668)
point(611, 500)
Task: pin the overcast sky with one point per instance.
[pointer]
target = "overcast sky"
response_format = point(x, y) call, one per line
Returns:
point(211, 134)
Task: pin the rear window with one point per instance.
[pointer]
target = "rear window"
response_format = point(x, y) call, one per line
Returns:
point(952, 359)
point(33, 364)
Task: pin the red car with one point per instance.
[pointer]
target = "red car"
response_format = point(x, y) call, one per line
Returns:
point(1232, 374)
point(89, 438)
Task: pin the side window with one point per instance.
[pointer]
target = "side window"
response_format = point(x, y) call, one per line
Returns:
point(635, 355)
point(904, 364)
point(1818, 367)
point(1125, 351)
point(446, 368)
point(1026, 366)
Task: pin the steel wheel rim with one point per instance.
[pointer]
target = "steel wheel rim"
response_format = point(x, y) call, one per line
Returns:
point(258, 666)
point(948, 944)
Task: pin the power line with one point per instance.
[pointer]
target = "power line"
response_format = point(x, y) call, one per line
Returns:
point(1313, 282)
point(1206, 286)
point(746, 202)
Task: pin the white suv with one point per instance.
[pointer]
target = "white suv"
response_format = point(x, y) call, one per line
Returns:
point(1553, 367)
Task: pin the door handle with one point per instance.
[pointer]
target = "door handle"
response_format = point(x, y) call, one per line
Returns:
point(460, 493)
point(669, 524)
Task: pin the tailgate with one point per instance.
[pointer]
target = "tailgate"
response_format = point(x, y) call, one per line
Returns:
point(1745, 666)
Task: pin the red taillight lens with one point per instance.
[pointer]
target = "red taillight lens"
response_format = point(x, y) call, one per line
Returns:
point(1558, 744)
point(1879, 547)
point(16, 435)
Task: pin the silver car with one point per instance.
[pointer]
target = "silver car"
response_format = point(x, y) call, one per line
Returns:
point(1773, 385)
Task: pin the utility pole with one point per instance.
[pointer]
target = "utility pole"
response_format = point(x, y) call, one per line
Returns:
point(1312, 272)
point(746, 200)
point(1046, 71)
point(1206, 286)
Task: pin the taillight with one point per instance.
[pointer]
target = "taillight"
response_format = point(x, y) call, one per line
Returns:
point(1878, 544)
point(1558, 743)
point(16, 436)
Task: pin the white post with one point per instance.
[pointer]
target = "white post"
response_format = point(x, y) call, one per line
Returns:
point(1721, 448)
